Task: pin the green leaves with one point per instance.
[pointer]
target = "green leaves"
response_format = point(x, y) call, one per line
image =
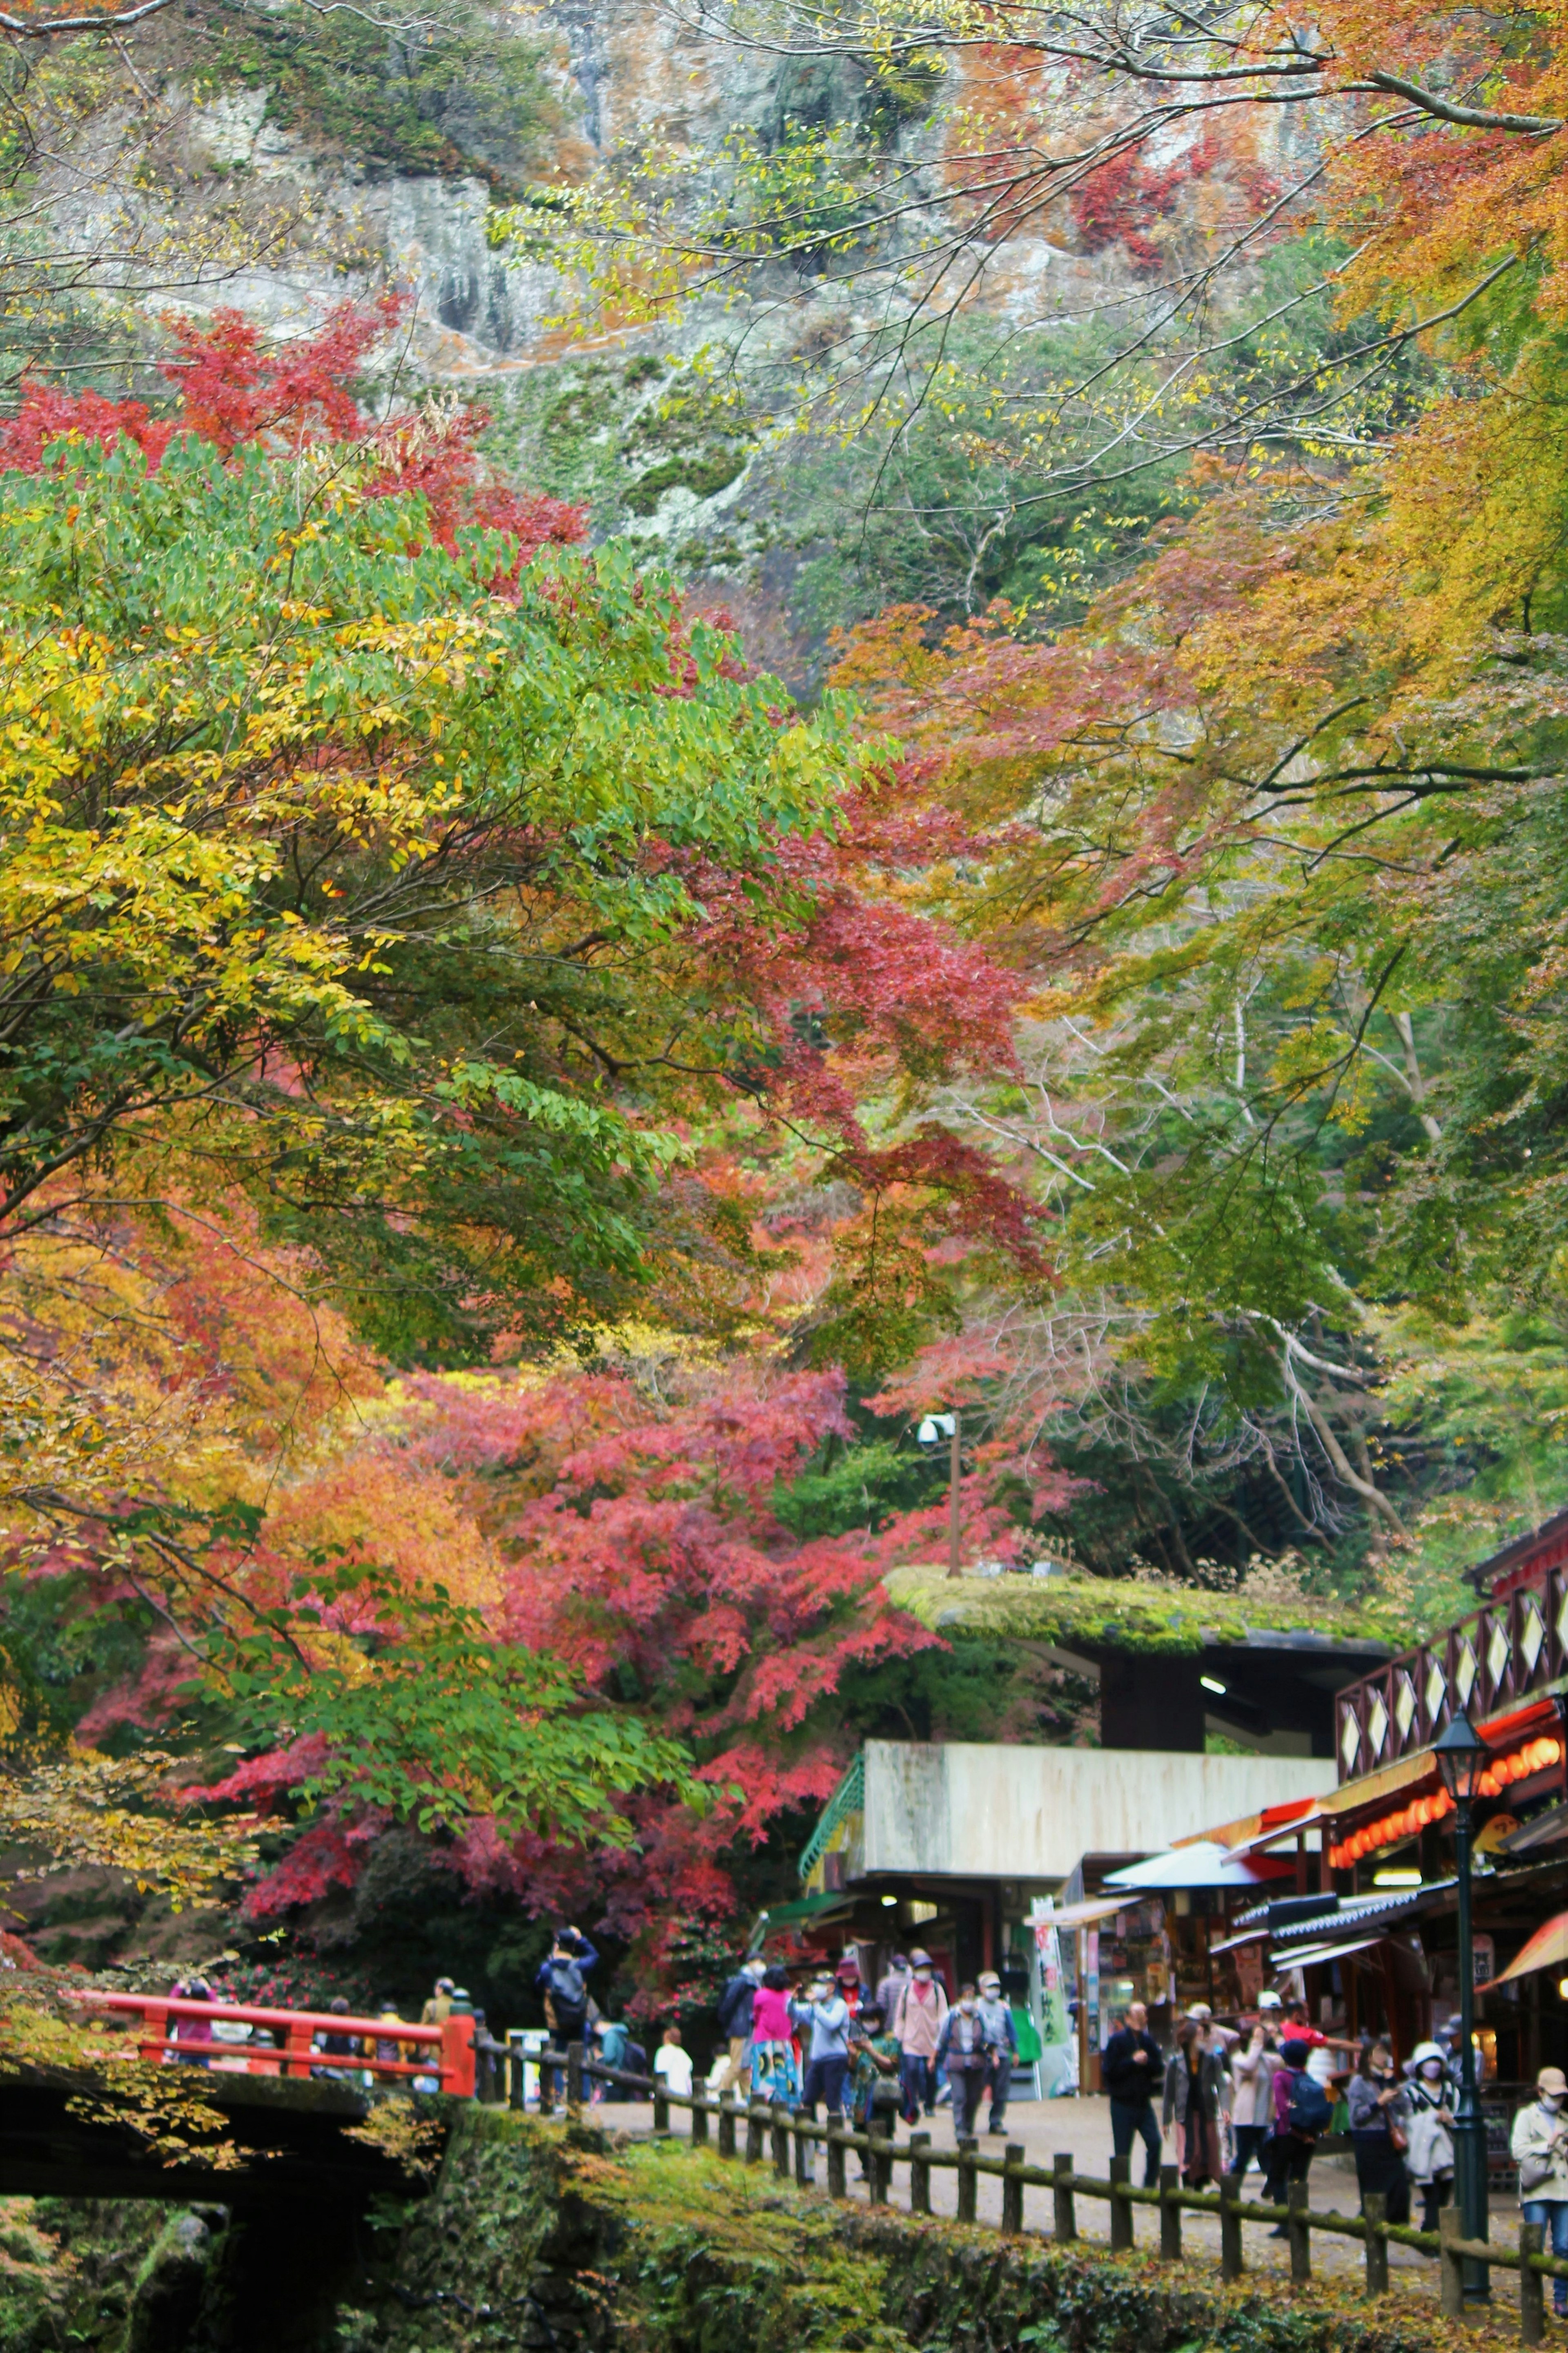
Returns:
point(419, 1711)
point(336, 872)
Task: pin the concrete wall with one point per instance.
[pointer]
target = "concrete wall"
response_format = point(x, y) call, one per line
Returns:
point(965, 1811)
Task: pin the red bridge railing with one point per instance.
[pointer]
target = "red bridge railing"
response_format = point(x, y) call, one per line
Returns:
point(445, 2052)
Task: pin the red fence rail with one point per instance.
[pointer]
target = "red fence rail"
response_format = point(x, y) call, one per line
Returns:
point(445, 2052)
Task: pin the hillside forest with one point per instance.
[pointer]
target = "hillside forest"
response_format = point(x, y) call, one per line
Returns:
point(941, 790)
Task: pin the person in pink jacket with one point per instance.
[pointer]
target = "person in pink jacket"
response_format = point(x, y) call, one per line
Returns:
point(775, 2064)
point(917, 2027)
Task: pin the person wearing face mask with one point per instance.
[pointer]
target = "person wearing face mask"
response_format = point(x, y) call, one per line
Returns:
point(1540, 2148)
point(1429, 2160)
point(1380, 2114)
point(826, 2014)
point(918, 2023)
point(1002, 2043)
point(964, 2048)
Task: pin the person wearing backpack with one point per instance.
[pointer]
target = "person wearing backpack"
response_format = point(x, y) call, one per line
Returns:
point(562, 1980)
point(1302, 2113)
point(735, 2008)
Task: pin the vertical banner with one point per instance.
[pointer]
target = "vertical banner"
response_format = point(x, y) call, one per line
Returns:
point(1059, 2055)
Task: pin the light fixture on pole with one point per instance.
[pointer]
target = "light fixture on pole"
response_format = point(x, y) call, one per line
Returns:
point(934, 1427)
point(1461, 1758)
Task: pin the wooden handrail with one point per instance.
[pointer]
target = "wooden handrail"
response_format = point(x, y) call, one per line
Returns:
point(882, 2153)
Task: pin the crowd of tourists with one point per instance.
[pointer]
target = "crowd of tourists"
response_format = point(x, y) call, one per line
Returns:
point(896, 2049)
point(1265, 2089)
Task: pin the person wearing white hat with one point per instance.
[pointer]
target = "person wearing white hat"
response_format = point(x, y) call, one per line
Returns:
point(1429, 2160)
point(1538, 2145)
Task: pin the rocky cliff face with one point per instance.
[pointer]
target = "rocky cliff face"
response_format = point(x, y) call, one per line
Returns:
point(280, 166)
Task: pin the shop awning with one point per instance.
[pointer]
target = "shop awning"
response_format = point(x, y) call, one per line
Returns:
point(1315, 1956)
point(1248, 1936)
point(1260, 1829)
point(1085, 1915)
point(1547, 1950)
point(1546, 1830)
point(1204, 1863)
point(803, 1908)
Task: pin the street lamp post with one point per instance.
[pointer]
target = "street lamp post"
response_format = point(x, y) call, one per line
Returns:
point(950, 1425)
point(1462, 1756)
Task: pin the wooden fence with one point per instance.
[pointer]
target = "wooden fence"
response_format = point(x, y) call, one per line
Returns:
point(751, 2132)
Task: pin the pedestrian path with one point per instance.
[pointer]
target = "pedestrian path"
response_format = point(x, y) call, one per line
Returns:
point(1081, 2127)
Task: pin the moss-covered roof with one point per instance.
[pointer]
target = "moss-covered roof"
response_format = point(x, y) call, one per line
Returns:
point(1123, 1613)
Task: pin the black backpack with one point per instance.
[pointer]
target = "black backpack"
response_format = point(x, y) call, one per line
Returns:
point(567, 1985)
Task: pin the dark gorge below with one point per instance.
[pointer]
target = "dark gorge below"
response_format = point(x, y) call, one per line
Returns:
point(572, 2240)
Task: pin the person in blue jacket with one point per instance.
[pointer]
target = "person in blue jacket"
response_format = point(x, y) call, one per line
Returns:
point(562, 1980)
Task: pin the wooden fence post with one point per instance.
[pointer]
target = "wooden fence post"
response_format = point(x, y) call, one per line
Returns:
point(726, 2124)
point(660, 2105)
point(920, 2174)
point(1061, 2192)
point(1231, 2259)
point(1298, 2208)
point(1532, 2285)
point(1450, 2266)
point(878, 2166)
point(968, 2179)
point(1375, 2209)
point(1121, 2208)
point(575, 2055)
point(804, 2154)
point(1170, 2214)
point(757, 2124)
point(699, 2116)
point(781, 2141)
point(1012, 2157)
point(836, 2185)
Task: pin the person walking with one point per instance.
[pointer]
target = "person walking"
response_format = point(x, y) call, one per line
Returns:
point(1131, 2066)
point(563, 1981)
point(335, 2046)
point(1302, 2113)
point(612, 2036)
point(874, 2088)
point(1538, 2145)
point(774, 2075)
point(824, 2014)
point(962, 2048)
point(735, 2007)
point(672, 2065)
point(851, 1989)
point(1429, 2160)
point(439, 2008)
point(186, 2031)
point(1380, 2114)
point(892, 1986)
point(1253, 2067)
point(918, 2023)
point(1194, 2077)
point(1002, 2044)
